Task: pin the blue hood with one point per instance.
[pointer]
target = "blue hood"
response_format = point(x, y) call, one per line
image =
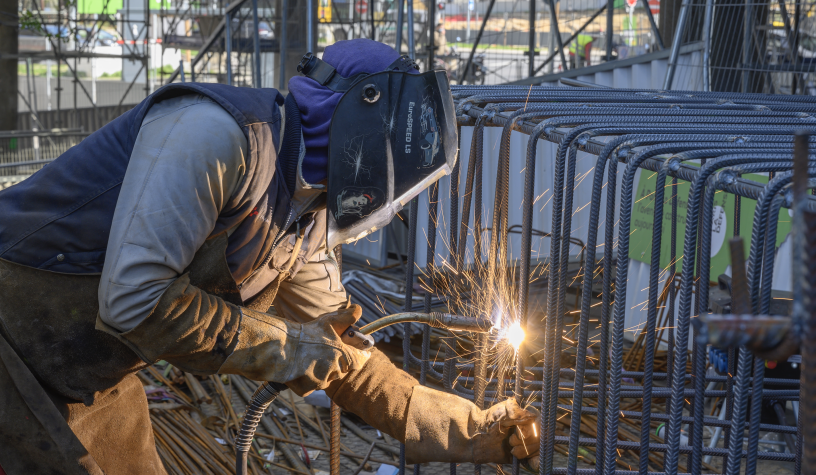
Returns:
point(317, 103)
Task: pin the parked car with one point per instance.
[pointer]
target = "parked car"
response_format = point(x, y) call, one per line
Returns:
point(47, 30)
point(244, 29)
point(100, 37)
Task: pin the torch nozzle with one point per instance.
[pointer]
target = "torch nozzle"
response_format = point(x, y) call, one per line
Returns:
point(434, 319)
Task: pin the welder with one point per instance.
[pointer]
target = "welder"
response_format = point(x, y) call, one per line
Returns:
point(198, 229)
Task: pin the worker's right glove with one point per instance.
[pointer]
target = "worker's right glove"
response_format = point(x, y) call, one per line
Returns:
point(305, 356)
point(525, 442)
point(444, 427)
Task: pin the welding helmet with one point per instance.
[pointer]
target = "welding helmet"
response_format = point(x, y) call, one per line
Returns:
point(392, 134)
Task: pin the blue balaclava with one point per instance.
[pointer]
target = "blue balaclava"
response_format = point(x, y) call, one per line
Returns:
point(317, 103)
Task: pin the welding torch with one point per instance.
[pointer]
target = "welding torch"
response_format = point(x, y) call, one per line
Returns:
point(359, 338)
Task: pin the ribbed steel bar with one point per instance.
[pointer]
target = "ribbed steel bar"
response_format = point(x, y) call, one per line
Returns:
point(716, 182)
point(409, 298)
point(685, 293)
point(621, 145)
point(433, 209)
point(716, 127)
point(568, 146)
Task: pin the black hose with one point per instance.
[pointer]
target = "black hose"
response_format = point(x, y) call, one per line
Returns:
point(262, 398)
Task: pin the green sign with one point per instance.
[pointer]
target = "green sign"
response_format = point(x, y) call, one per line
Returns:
point(640, 244)
point(110, 7)
point(99, 7)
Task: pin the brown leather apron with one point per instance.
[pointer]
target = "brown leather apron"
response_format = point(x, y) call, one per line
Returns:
point(51, 334)
point(69, 402)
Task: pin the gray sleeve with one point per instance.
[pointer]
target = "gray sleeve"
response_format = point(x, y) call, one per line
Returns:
point(188, 158)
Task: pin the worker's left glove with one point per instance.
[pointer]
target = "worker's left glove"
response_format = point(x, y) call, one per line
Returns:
point(443, 427)
point(306, 356)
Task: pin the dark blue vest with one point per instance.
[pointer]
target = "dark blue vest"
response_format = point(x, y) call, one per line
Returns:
point(59, 218)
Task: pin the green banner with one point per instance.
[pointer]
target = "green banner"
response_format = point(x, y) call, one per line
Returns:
point(640, 247)
point(110, 7)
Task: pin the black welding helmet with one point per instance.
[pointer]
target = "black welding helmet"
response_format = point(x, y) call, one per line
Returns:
point(392, 134)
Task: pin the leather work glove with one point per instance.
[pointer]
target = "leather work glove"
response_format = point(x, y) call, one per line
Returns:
point(525, 442)
point(443, 427)
point(305, 356)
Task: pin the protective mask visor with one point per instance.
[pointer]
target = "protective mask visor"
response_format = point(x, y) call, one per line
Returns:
point(392, 135)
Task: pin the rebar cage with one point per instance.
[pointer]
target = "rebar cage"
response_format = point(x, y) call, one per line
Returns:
point(666, 168)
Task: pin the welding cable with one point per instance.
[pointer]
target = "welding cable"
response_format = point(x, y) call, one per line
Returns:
point(685, 288)
point(262, 398)
point(432, 319)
